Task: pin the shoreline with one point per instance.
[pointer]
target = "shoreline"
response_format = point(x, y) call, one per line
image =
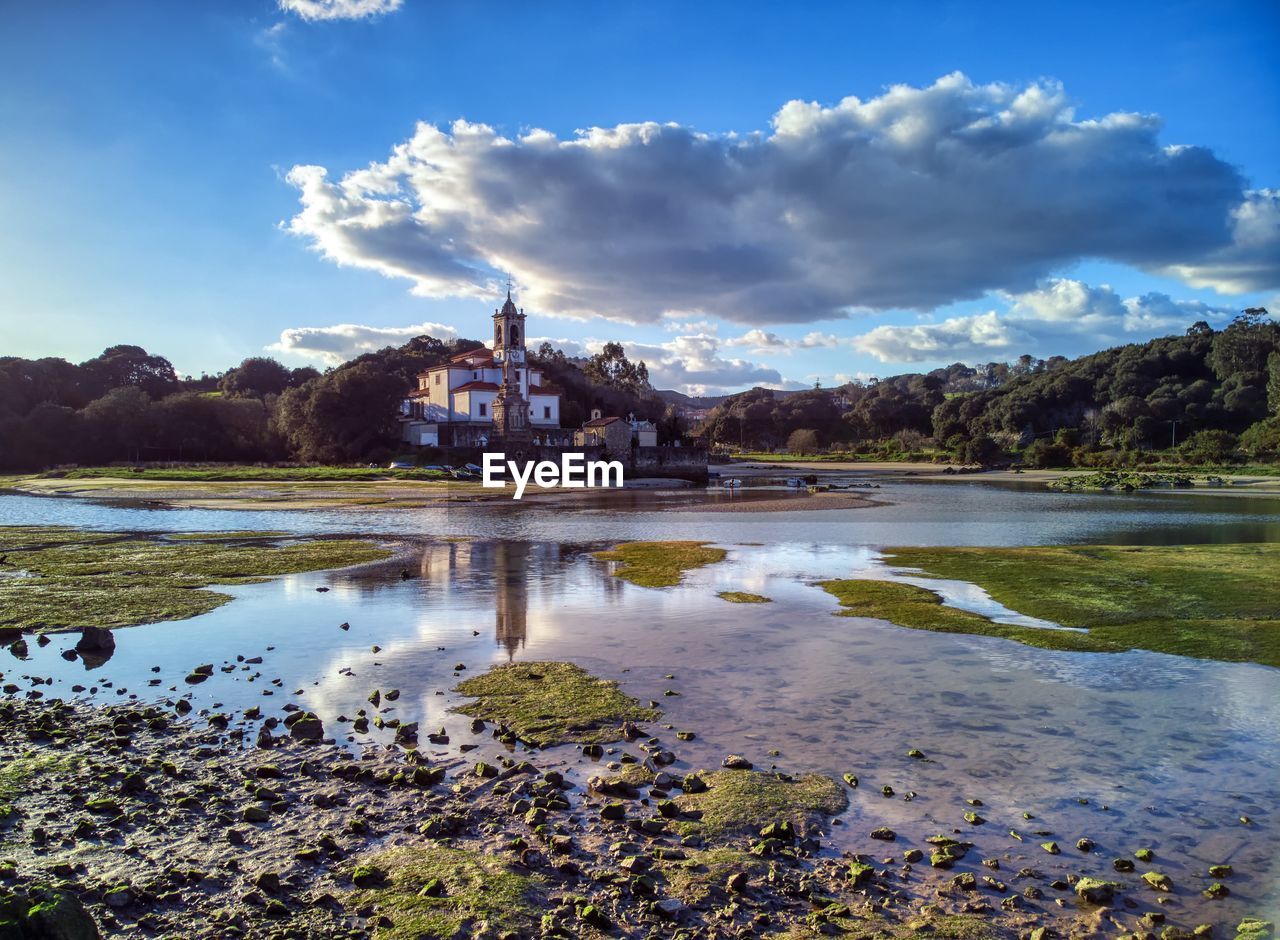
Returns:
point(164, 822)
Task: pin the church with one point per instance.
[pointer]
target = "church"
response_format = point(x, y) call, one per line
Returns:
point(484, 396)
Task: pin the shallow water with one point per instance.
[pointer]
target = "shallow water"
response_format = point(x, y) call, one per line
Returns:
point(1177, 750)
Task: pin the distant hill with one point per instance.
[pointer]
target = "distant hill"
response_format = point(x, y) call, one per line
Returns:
point(672, 397)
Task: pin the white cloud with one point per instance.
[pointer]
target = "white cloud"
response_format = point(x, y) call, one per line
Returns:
point(968, 338)
point(334, 345)
point(339, 9)
point(762, 341)
point(1062, 317)
point(913, 199)
point(692, 364)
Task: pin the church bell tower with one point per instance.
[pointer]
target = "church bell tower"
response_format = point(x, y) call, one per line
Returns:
point(510, 410)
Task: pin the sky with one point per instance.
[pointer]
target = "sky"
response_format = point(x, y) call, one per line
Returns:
point(742, 193)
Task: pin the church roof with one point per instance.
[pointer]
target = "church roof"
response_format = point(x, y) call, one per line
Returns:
point(543, 390)
point(509, 308)
point(599, 422)
point(476, 387)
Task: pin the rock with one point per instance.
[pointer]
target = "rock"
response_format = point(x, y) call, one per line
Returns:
point(911, 856)
point(851, 780)
point(1253, 928)
point(96, 640)
point(433, 888)
point(118, 897)
point(1084, 845)
point(884, 834)
point(1220, 871)
point(255, 814)
point(860, 872)
point(736, 883)
point(916, 754)
point(1122, 864)
point(1051, 847)
point(1216, 891)
point(268, 881)
point(1158, 881)
point(307, 728)
point(1144, 855)
point(365, 876)
point(1096, 891)
point(736, 762)
point(56, 916)
point(693, 783)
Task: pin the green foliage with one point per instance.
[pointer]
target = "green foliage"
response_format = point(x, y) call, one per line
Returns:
point(76, 579)
point(611, 367)
point(659, 564)
point(548, 703)
point(1208, 447)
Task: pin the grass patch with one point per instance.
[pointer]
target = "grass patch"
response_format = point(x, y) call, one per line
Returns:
point(748, 799)
point(237, 473)
point(1205, 601)
point(77, 579)
point(549, 703)
point(475, 888)
point(659, 564)
point(744, 597)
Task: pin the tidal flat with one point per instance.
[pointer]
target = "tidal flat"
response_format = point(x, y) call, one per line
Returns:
point(873, 749)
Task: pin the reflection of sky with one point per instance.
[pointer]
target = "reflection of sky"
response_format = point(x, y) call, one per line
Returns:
point(1178, 748)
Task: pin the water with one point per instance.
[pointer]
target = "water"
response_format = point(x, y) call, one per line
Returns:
point(1177, 750)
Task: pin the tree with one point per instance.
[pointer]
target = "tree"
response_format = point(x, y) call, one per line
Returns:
point(803, 441)
point(611, 367)
point(1208, 447)
point(342, 415)
point(118, 424)
point(255, 377)
point(1273, 382)
point(121, 366)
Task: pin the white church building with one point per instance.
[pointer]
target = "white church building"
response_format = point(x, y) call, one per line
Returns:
point(453, 404)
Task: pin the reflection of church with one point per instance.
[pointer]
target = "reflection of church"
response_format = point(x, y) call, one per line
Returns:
point(470, 568)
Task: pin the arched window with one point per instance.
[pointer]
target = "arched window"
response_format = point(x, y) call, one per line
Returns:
point(515, 335)
point(497, 334)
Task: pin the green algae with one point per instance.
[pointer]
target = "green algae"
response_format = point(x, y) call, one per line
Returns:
point(1206, 601)
point(744, 597)
point(438, 891)
point(659, 564)
point(548, 703)
point(64, 579)
point(737, 800)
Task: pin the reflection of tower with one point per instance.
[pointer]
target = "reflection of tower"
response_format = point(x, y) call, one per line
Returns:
point(511, 594)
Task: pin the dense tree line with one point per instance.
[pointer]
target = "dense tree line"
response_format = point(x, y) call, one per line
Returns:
point(1211, 394)
point(128, 405)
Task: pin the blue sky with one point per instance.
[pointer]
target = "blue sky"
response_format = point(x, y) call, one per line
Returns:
point(148, 182)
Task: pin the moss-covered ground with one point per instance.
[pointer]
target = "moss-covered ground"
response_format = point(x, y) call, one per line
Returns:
point(64, 579)
point(741, 800)
point(744, 597)
point(548, 703)
point(659, 564)
point(1206, 601)
point(462, 890)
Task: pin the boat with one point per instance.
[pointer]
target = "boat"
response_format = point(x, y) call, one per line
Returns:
point(795, 482)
